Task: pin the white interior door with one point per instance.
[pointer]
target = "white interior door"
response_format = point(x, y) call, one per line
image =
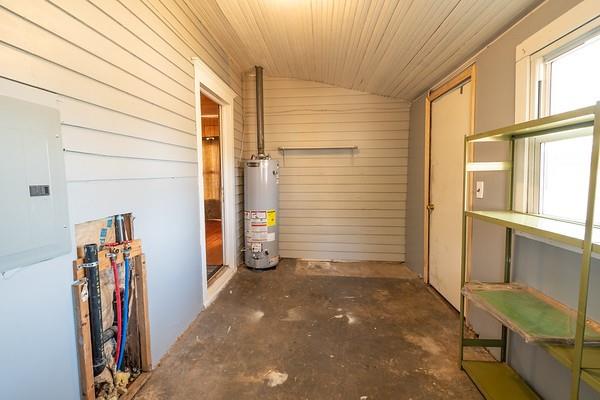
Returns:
point(450, 122)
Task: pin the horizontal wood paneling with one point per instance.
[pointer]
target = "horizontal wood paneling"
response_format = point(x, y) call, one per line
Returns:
point(125, 77)
point(122, 77)
point(341, 230)
point(85, 115)
point(101, 142)
point(340, 255)
point(347, 239)
point(335, 204)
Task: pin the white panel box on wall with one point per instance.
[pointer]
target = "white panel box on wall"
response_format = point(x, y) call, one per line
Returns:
point(33, 211)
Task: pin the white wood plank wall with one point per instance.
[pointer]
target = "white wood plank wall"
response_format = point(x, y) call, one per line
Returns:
point(337, 204)
point(122, 73)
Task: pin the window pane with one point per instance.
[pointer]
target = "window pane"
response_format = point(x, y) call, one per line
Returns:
point(565, 163)
point(575, 78)
point(565, 172)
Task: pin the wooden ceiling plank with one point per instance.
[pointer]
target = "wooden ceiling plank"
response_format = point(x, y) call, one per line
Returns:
point(382, 27)
point(420, 32)
point(421, 21)
point(258, 23)
point(375, 11)
point(443, 55)
point(394, 56)
point(337, 23)
point(447, 38)
point(496, 21)
point(387, 47)
point(345, 40)
point(345, 78)
point(209, 13)
point(259, 40)
point(392, 25)
point(274, 38)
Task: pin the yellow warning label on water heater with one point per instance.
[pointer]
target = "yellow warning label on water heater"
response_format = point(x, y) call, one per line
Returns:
point(271, 218)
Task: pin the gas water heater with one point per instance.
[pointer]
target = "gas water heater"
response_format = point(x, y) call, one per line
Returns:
point(261, 198)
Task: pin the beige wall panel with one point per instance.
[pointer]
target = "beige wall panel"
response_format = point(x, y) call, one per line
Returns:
point(80, 114)
point(121, 75)
point(335, 204)
point(24, 67)
point(85, 36)
point(340, 230)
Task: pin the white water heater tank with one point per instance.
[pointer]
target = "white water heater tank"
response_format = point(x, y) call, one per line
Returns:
point(261, 213)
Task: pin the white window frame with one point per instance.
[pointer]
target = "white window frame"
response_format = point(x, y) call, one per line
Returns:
point(570, 29)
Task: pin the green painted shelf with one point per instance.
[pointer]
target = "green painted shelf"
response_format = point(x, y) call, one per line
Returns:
point(576, 119)
point(591, 377)
point(528, 312)
point(497, 381)
point(590, 372)
point(570, 233)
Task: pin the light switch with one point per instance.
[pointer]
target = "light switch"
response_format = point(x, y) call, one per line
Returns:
point(479, 189)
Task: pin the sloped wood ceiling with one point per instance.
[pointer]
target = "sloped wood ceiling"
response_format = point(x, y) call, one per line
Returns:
point(393, 48)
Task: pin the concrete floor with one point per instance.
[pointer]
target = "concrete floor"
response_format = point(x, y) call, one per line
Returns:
point(315, 332)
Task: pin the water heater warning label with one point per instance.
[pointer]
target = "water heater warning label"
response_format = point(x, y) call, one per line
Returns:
point(259, 217)
point(271, 218)
point(257, 225)
point(256, 247)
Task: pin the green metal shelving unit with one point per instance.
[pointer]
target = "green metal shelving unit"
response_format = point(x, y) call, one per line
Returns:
point(565, 334)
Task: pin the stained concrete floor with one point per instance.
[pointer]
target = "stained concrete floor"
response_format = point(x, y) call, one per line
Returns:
point(314, 332)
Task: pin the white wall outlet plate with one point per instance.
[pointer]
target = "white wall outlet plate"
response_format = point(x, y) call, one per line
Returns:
point(479, 189)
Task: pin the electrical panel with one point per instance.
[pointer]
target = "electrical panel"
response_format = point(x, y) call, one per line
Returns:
point(33, 198)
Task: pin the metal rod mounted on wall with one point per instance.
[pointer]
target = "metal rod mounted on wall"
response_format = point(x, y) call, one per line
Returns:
point(284, 148)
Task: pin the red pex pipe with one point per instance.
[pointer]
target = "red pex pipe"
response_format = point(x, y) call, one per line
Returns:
point(115, 269)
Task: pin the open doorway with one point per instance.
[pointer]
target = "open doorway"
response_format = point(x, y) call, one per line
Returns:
point(213, 185)
point(209, 84)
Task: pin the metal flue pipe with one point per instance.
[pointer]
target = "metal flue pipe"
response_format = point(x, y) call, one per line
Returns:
point(92, 273)
point(120, 236)
point(260, 123)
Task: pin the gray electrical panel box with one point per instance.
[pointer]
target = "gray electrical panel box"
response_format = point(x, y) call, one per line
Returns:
point(33, 213)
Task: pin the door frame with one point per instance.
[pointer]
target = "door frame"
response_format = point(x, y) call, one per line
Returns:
point(208, 83)
point(466, 75)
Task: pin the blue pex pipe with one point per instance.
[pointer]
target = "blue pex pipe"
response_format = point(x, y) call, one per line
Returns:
point(125, 314)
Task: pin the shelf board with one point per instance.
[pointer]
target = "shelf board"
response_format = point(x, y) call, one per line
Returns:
point(489, 166)
point(497, 381)
point(570, 233)
point(576, 119)
point(529, 313)
point(590, 372)
point(592, 378)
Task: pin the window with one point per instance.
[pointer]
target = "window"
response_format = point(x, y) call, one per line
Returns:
point(575, 78)
point(565, 171)
point(566, 78)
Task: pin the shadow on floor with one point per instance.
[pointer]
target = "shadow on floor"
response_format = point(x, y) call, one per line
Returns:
point(288, 334)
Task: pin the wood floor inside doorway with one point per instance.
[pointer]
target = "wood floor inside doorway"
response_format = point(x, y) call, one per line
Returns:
point(214, 246)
